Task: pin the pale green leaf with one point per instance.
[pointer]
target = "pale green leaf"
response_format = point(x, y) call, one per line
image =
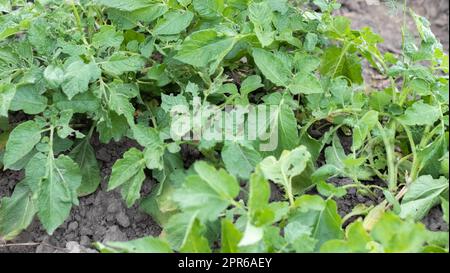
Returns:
point(272, 67)
point(356, 241)
point(321, 216)
point(185, 233)
point(126, 168)
point(261, 16)
point(129, 5)
point(290, 164)
point(215, 188)
point(305, 83)
point(107, 37)
point(363, 127)
point(7, 93)
point(204, 47)
point(251, 84)
point(195, 241)
point(422, 195)
point(54, 75)
point(21, 141)
point(83, 154)
point(173, 23)
point(29, 100)
point(16, 212)
point(398, 236)
point(240, 160)
point(81, 103)
point(209, 8)
point(77, 76)
point(58, 191)
point(142, 245)
point(230, 237)
point(420, 114)
point(120, 63)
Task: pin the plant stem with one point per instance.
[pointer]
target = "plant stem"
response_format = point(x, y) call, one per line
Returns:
point(390, 155)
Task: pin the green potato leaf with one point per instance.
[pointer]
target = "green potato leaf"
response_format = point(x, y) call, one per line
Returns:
point(420, 114)
point(214, 187)
point(173, 23)
point(83, 154)
point(205, 47)
point(28, 99)
point(422, 195)
point(107, 37)
point(272, 67)
point(142, 245)
point(319, 215)
point(21, 142)
point(128, 173)
point(7, 93)
point(77, 76)
point(125, 6)
point(240, 160)
point(16, 212)
point(120, 63)
point(58, 191)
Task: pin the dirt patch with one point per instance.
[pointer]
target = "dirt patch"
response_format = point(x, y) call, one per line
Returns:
point(387, 20)
point(101, 216)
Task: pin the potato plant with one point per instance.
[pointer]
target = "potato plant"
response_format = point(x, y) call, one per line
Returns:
point(116, 69)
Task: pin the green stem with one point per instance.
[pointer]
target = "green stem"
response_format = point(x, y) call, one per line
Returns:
point(390, 156)
point(416, 164)
point(78, 20)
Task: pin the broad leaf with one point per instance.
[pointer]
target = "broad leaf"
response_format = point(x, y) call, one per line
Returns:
point(397, 236)
point(142, 245)
point(420, 114)
point(356, 241)
point(28, 99)
point(289, 165)
point(230, 237)
point(240, 160)
point(7, 92)
point(272, 67)
point(128, 173)
point(16, 212)
point(422, 195)
point(58, 191)
point(21, 141)
point(185, 233)
point(321, 216)
point(83, 154)
point(363, 127)
point(305, 83)
point(338, 62)
point(261, 16)
point(120, 63)
point(215, 188)
point(107, 37)
point(77, 76)
point(205, 47)
point(209, 8)
point(130, 5)
point(173, 23)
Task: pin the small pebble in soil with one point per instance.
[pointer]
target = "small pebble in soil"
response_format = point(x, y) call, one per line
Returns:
point(114, 234)
point(123, 219)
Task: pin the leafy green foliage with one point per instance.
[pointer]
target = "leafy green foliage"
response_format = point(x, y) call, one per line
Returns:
point(135, 68)
point(22, 141)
